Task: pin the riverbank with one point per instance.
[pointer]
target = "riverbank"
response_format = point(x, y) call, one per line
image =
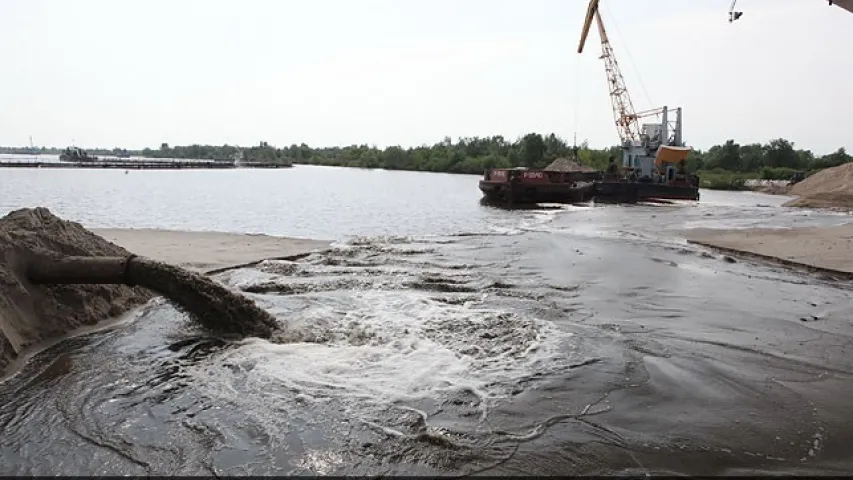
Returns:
point(208, 252)
point(821, 249)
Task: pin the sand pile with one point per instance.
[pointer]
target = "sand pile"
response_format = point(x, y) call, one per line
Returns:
point(828, 188)
point(567, 165)
point(29, 313)
point(32, 313)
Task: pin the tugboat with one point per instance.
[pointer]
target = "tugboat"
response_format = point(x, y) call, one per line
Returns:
point(75, 154)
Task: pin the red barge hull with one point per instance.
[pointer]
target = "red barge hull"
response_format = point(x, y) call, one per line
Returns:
point(519, 186)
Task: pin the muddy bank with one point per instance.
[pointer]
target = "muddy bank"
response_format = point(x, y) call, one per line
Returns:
point(827, 249)
point(30, 314)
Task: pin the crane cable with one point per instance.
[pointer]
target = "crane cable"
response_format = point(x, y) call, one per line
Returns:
point(576, 105)
point(628, 54)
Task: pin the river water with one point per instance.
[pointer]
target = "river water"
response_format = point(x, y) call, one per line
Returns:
point(440, 336)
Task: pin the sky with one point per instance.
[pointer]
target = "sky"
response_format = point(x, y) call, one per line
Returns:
point(136, 73)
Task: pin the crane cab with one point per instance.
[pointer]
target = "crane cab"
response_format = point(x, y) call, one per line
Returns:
point(658, 156)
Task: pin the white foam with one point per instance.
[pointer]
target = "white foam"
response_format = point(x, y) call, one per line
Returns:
point(244, 277)
point(375, 348)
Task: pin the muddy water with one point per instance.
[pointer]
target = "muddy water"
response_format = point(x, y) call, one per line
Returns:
point(582, 340)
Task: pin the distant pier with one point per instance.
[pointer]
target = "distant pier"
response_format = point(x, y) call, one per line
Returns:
point(141, 165)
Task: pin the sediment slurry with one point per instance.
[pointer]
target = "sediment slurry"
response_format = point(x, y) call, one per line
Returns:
point(32, 313)
point(213, 305)
point(828, 249)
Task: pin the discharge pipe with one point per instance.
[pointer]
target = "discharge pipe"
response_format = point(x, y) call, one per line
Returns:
point(208, 302)
point(80, 270)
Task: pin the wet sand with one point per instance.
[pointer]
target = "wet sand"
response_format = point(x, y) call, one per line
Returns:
point(827, 249)
point(208, 252)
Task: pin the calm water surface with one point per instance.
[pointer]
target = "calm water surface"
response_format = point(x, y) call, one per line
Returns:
point(440, 336)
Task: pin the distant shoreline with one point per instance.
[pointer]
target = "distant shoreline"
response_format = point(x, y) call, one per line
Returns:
point(144, 165)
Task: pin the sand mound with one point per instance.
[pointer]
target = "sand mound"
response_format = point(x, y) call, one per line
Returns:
point(567, 165)
point(30, 314)
point(828, 188)
point(831, 200)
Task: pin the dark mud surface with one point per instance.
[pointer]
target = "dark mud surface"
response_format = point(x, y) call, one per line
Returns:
point(581, 341)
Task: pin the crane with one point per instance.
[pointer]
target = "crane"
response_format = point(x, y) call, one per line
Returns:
point(647, 149)
point(625, 117)
point(623, 108)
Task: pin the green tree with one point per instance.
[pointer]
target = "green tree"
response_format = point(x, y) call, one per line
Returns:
point(533, 150)
point(780, 153)
point(752, 157)
point(725, 156)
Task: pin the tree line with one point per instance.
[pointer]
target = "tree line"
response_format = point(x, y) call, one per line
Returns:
point(261, 153)
point(776, 159)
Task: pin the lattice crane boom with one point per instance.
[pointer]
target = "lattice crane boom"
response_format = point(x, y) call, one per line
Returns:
point(624, 116)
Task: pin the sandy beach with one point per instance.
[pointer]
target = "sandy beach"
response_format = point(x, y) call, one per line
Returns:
point(825, 248)
point(208, 252)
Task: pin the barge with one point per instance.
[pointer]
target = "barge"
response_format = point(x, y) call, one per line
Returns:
point(651, 170)
point(522, 186)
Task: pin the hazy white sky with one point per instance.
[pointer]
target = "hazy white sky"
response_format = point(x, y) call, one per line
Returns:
point(337, 72)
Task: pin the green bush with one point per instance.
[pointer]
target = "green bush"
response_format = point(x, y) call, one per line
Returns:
point(777, 173)
point(723, 180)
